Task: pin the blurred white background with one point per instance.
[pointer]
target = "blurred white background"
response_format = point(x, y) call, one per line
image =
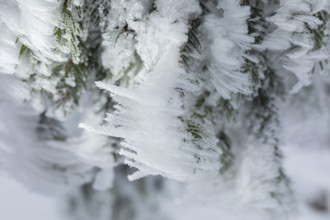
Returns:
point(18, 203)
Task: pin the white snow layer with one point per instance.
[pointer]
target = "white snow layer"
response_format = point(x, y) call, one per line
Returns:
point(292, 36)
point(150, 116)
point(229, 39)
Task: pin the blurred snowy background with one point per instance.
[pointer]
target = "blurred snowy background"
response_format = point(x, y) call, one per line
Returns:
point(19, 203)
